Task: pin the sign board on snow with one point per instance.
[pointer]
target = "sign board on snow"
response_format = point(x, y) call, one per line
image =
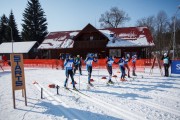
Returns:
point(175, 67)
point(17, 69)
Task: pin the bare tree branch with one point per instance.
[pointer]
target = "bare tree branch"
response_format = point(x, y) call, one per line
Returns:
point(113, 18)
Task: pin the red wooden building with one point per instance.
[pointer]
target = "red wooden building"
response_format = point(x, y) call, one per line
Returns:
point(103, 42)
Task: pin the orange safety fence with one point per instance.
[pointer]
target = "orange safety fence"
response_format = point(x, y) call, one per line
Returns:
point(49, 63)
point(100, 64)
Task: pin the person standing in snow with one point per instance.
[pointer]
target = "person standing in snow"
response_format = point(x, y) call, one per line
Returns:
point(127, 58)
point(0, 63)
point(77, 65)
point(109, 63)
point(88, 61)
point(68, 64)
point(134, 57)
point(122, 68)
point(4, 59)
point(166, 63)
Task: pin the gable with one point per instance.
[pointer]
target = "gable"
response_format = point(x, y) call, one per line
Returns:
point(90, 33)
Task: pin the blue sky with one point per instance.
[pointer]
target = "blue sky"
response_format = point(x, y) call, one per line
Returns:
point(65, 15)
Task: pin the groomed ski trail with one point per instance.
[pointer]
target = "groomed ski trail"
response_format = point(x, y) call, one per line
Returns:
point(120, 112)
point(70, 114)
point(147, 103)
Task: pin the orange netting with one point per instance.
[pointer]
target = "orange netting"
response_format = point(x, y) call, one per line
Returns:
point(54, 63)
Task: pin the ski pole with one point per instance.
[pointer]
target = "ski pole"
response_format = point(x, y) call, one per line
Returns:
point(79, 81)
point(98, 73)
point(116, 79)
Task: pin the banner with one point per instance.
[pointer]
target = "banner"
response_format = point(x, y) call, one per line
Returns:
point(175, 67)
point(17, 70)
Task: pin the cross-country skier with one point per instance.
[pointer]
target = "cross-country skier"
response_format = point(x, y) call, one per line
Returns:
point(122, 68)
point(88, 61)
point(134, 57)
point(68, 64)
point(77, 65)
point(127, 58)
point(166, 63)
point(109, 63)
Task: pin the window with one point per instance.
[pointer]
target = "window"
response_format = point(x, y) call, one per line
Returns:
point(111, 34)
point(115, 52)
point(91, 37)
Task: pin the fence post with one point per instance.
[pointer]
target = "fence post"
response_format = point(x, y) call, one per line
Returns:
point(57, 87)
point(41, 93)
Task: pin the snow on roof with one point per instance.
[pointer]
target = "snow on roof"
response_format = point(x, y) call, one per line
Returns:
point(118, 37)
point(141, 41)
point(59, 40)
point(128, 37)
point(107, 33)
point(18, 47)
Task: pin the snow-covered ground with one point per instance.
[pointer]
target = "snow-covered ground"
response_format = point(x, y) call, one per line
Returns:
point(149, 97)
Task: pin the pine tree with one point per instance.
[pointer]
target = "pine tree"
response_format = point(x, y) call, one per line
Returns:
point(3, 29)
point(15, 32)
point(35, 25)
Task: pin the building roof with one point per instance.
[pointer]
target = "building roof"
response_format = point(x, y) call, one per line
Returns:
point(18, 47)
point(118, 37)
point(128, 37)
point(59, 40)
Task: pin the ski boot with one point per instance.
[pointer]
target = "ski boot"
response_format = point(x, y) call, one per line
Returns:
point(74, 88)
point(110, 82)
point(134, 74)
point(122, 79)
point(66, 87)
point(90, 84)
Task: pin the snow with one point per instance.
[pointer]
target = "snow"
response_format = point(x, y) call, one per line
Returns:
point(145, 97)
point(141, 28)
point(126, 39)
point(140, 41)
point(18, 47)
point(64, 40)
point(60, 43)
point(73, 33)
point(107, 33)
point(68, 43)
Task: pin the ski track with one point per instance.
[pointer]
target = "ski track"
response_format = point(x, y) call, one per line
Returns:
point(121, 112)
point(115, 109)
point(151, 104)
point(160, 94)
point(70, 114)
point(170, 97)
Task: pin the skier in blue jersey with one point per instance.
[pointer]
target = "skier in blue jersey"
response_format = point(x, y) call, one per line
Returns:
point(109, 63)
point(122, 68)
point(88, 61)
point(68, 64)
